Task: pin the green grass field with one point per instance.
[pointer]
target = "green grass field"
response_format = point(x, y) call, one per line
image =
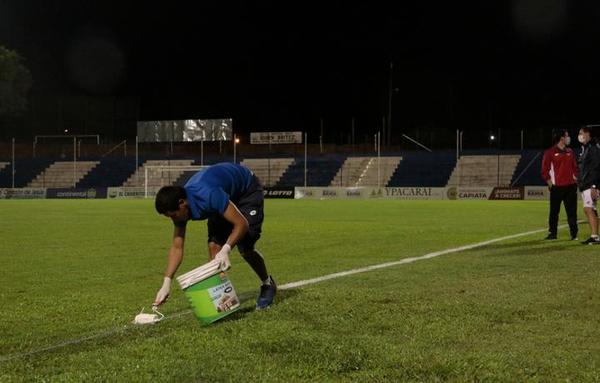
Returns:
point(517, 310)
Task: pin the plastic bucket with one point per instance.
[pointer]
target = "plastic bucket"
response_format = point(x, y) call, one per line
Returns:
point(210, 293)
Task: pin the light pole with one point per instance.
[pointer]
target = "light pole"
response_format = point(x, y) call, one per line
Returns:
point(236, 141)
point(389, 116)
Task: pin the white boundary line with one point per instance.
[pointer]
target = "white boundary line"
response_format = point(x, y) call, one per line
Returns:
point(287, 286)
point(407, 260)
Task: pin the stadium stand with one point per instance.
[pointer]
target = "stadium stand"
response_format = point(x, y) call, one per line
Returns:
point(435, 169)
point(25, 171)
point(268, 171)
point(320, 172)
point(350, 171)
point(484, 171)
point(363, 171)
point(386, 168)
point(158, 177)
point(5, 175)
point(529, 169)
point(62, 174)
point(424, 169)
point(109, 172)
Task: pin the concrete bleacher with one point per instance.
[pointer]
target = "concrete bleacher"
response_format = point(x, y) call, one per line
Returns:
point(424, 169)
point(62, 174)
point(268, 171)
point(378, 171)
point(363, 171)
point(158, 176)
point(350, 171)
point(484, 171)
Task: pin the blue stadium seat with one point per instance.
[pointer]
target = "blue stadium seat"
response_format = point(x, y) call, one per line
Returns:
point(25, 171)
point(110, 172)
point(530, 166)
point(424, 169)
point(320, 172)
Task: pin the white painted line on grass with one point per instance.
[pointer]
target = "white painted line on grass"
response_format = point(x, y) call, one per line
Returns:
point(306, 282)
point(286, 286)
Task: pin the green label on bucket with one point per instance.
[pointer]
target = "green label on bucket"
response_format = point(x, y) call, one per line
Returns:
point(213, 298)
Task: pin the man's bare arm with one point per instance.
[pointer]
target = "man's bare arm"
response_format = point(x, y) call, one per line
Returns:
point(239, 222)
point(176, 251)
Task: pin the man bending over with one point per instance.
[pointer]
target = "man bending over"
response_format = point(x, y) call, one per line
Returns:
point(231, 198)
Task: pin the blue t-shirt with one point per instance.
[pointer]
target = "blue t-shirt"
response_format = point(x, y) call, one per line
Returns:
point(210, 190)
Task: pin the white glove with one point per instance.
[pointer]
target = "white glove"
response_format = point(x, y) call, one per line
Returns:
point(163, 293)
point(223, 257)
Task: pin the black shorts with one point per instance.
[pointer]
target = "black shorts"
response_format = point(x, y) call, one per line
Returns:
point(251, 206)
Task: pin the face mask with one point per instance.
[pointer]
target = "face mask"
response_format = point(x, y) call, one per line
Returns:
point(581, 139)
point(567, 141)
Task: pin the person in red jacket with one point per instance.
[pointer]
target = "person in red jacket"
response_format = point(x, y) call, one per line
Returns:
point(559, 170)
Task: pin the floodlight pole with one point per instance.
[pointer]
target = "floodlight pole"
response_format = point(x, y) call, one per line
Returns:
point(137, 175)
point(352, 136)
point(521, 139)
point(202, 151)
point(457, 144)
point(13, 163)
point(378, 159)
point(269, 163)
point(305, 158)
point(234, 150)
point(321, 137)
point(498, 169)
point(74, 160)
point(389, 116)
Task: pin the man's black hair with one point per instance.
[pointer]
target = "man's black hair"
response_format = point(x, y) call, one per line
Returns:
point(167, 198)
point(557, 134)
point(588, 129)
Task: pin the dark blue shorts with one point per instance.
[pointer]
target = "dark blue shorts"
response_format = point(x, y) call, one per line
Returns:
point(251, 206)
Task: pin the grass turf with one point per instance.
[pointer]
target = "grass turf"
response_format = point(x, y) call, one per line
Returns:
point(513, 311)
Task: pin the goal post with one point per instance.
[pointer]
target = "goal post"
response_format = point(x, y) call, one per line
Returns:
point(159, 171)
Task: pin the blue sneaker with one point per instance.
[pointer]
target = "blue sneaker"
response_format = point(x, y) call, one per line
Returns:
point(267, 295)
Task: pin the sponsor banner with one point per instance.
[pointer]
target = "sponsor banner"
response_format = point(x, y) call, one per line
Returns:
point(332, 193)
point(507, 193)
point(278, 192)
point(77, 193)
point(474, 193)
point(305, 192)
point(276, 138)
point(23, 193)
point(540, 193)
point(423, 193)
point(405, 193)
point(131, 192)
point(452, 193)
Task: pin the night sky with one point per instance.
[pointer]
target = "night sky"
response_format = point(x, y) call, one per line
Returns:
point(474, 66)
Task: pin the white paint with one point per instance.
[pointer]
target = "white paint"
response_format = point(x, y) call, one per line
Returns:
point(406, 260)
point(286, 286)
point(143, 318)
